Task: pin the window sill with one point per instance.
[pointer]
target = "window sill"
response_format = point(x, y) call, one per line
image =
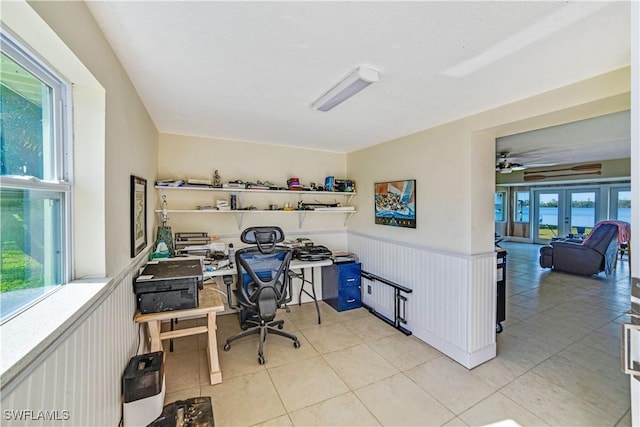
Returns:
point(30, 334)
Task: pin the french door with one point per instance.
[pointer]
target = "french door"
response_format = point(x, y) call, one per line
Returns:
point(564, 213)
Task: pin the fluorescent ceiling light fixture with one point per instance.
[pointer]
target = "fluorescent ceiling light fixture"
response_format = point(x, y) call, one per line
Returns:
point(567, 15)
point(360, 78)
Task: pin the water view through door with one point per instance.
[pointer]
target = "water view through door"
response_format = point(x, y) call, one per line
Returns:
point(563, 213)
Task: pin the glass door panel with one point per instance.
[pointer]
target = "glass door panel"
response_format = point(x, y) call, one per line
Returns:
point(582, 213)
point(548, 213)
point(564, 213)
point(621, 204)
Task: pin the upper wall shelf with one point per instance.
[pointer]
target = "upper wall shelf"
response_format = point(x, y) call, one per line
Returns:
point(254, 190)
point(239, 213)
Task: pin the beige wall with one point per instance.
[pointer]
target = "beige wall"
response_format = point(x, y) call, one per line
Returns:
point(183, 157)
point(103, 168)
point(454, 164)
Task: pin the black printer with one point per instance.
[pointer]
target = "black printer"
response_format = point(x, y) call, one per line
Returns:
point(168, 285)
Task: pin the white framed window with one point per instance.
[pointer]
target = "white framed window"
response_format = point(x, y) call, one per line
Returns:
point(35, 184)
point(521, 207)
point(499, 205)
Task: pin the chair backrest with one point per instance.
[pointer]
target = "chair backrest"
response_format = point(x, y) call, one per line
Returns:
point(262, 270)
point(601, 236)
point(265, 238)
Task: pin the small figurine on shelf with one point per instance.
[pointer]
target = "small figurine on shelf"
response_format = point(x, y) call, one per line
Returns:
point(216, 179)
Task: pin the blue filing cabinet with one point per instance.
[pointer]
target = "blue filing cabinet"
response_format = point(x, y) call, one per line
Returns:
point(341, 286)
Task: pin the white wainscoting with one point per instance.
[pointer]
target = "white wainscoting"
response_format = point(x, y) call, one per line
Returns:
point(453, 303)
point(78, 379)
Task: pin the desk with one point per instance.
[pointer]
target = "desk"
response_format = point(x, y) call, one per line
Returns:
point(295, 264)
point(210, 302)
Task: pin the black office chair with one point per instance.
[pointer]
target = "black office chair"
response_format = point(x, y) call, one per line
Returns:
point(261, 285)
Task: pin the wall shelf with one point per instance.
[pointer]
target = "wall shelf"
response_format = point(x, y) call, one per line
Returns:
point(241, 192)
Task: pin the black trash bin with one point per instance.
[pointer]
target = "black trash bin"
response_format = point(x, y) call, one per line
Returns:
point(501, 314)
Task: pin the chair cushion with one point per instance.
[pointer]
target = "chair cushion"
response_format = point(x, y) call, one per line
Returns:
point(600, 237)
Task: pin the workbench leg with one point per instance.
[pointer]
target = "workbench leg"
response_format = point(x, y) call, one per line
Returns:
point(212, 349)
point(154, 335)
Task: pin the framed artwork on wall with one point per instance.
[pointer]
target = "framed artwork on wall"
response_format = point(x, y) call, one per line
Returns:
point(138, 215)
point(395, 203)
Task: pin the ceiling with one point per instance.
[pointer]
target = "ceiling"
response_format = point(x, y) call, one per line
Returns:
point(601, 138)
point(250, 71)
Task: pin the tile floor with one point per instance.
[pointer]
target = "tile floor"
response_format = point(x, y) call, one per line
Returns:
point(558, 364)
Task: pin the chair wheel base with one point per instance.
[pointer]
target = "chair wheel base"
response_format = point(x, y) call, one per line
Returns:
point(261, 360)
point(296, 344)
point(227, 347)
point(498, 327)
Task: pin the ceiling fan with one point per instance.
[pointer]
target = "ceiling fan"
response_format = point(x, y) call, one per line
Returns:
point(505, 164)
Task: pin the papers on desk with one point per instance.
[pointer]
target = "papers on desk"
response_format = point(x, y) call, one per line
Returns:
point(211, 247)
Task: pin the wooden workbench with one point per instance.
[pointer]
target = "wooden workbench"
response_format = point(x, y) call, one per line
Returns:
point(210, 302)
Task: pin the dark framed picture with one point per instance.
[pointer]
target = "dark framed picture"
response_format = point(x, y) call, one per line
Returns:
point(138, 215)
point(395, 203)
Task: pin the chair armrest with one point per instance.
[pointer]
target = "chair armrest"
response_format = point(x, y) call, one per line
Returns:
point(289, 287)
point(228, 280)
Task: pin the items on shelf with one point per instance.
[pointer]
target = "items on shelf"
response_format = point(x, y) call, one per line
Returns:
point(343, 186)
point(223, 205)
point(170, 183)
point(328, 183)
point(238, 206)
point(234, 184)
point(294, 184)
point(259, 185)
point(313, 206)
point(331, 184)
point(194, 181)
point(335, 208)
point(339, 185)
